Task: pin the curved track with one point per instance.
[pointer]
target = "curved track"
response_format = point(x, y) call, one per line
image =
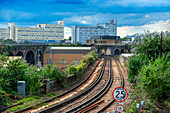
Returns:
point(63, 94)
point(95, 98)
point(55, 107)
point(122, 85)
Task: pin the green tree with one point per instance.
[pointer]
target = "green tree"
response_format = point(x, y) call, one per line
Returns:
point(69, 38)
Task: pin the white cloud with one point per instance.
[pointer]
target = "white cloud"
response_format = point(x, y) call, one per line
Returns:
point(67, 32)
point(147, 16)
point(62, 13)
point(82, 19)
point(4, 25)
point(130, 30)
point(84, 22)
point(129, 19)
point(136, 3)
point(154, 26)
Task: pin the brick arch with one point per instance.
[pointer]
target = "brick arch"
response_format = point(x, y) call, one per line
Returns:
point(30, 57)
point(108, 51)
point(19, 53)
point(10, 53)
point(116, 52)
point(122, 51)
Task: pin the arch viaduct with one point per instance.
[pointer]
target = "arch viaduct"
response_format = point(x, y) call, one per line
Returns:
point(110, 49)
point(33, 54)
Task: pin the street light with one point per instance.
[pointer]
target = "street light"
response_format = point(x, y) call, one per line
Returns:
point(50, 55)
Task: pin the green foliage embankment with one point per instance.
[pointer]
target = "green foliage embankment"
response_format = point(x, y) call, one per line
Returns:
point(149, 70)
point(12, 71)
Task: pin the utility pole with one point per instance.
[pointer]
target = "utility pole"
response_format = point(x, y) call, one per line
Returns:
point(50, 56)
point(161, 44)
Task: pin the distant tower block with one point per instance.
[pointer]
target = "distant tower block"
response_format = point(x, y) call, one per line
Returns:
point(21, 88)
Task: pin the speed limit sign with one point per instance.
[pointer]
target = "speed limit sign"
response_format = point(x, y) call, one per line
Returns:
point(120, 94)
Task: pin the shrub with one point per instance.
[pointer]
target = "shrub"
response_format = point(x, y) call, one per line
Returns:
point(79, 69)
point(154, 78)
point(52, 72)
point(71, 70)
point(151, 70)
point(135, 64)
point(151, 45)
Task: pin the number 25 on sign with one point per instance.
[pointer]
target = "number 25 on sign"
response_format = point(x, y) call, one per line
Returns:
point(120, 94)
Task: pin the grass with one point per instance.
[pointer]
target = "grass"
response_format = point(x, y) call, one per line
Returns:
point(64, 85)
point(43, 104)
point(52, 94)
point(29, 101)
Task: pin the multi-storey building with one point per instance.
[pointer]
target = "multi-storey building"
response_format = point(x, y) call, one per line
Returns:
point(4, 33)
point(82, 33)
point(42, 33)
point(104, 40)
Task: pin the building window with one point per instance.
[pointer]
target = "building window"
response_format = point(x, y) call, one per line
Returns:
point(63, 61)
point(75, 61)
point(48, 61)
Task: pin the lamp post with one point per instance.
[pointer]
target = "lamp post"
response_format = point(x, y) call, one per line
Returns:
point(50, 56)
point(38, 58)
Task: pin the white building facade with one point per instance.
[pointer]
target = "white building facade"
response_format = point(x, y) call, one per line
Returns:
point(4, 33)
point(82, 33)
point(42, 33)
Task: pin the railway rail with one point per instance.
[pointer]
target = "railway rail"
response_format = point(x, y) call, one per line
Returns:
point(87, 105)
point(58, 96)
point(57, 106)
point(90, 103)
point(122, 85)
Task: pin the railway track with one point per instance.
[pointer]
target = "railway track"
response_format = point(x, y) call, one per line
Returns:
point(92, 102)
point(121, 85)
point(57, 106)
point(59, 96)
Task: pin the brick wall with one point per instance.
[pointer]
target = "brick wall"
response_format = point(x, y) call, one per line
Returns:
point(61, 59)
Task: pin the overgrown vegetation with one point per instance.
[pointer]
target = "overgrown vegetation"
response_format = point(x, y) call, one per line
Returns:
point(12, 71)
point(149, 70)
point(87, 60)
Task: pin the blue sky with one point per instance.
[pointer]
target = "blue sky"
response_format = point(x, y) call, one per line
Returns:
point(132, 15)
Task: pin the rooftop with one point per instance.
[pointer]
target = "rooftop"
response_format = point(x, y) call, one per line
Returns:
point(72, 48)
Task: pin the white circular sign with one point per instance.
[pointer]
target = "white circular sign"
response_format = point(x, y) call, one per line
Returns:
point(119, 108)
point(120, 94)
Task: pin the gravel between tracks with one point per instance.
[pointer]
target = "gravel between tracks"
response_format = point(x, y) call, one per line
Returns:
point(126, 85)
point(93, 92)
point(76, 91)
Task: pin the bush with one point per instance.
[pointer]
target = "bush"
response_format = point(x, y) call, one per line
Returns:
point(135, 64)
point(87, 60)
point(71, 70)
point(154, 78)
point(52, 72)
point(17, 70)
point(151, 70)
point(151, 45)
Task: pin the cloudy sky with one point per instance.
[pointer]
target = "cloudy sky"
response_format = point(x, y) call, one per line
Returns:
point(133, 16)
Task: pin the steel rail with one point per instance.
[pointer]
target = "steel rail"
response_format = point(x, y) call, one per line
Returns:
point(55, 107)
point(58, 96)
point(97, 96)
point(122, 85)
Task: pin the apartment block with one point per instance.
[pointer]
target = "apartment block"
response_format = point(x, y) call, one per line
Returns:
point(4, 33)
point(42, 33)
point(82, 33)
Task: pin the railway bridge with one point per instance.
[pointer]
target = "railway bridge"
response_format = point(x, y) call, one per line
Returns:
point(32, 53)
point(111, 49)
